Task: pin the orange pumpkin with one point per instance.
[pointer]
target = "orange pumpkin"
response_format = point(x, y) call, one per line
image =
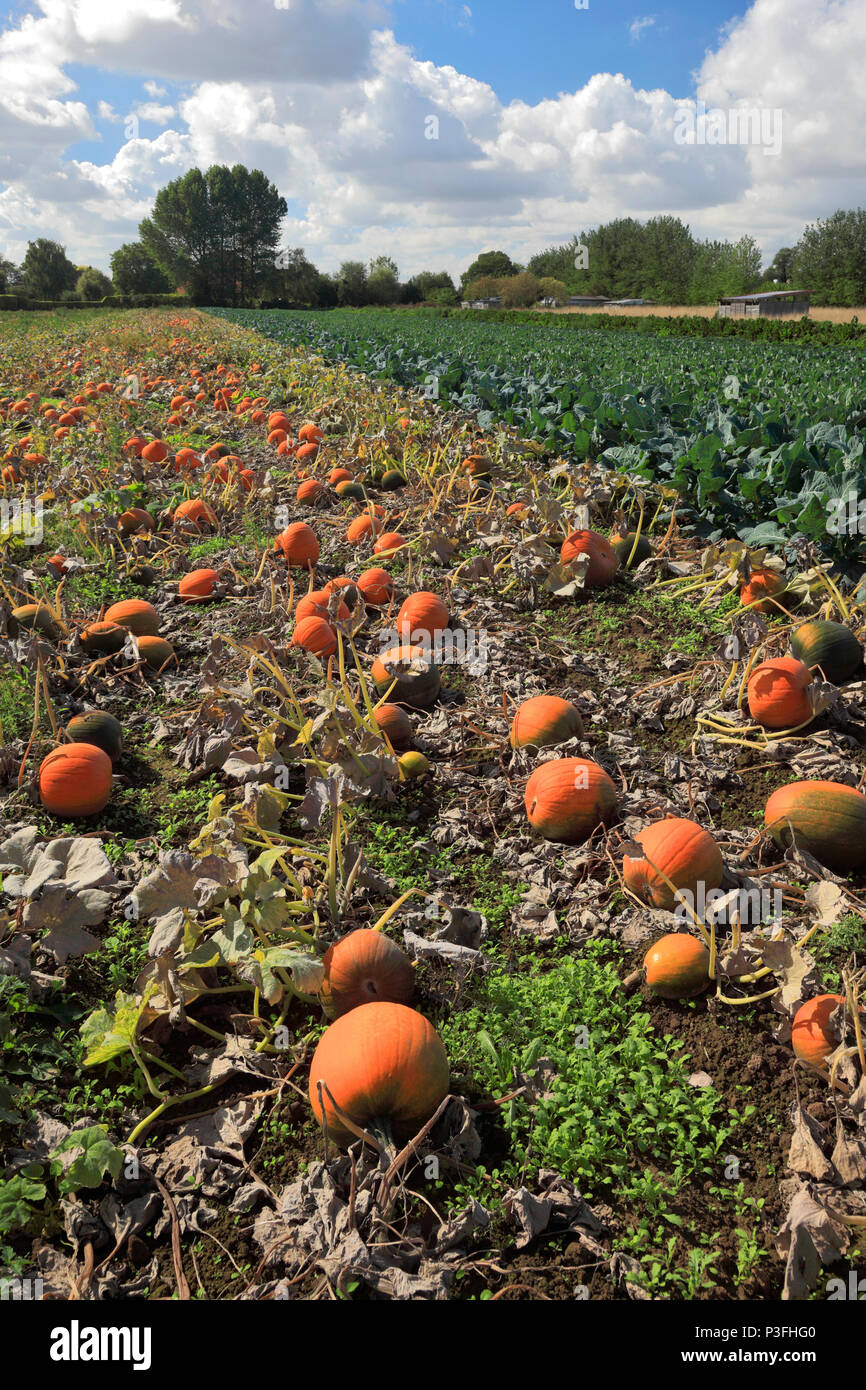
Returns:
point(155, 452)
point(566, 799)
point(376, 587)
point(136, 615)
point(315, 605)
point(421, 616)
point(828, 820)
point(778, 693)
point(365, 967)
point(677, 966)
point(543, 720)
point(762, 588)
point(134, 520)
point(299, 545)
point(683, 851)
point(311, 434)
point(197, 585)
point(417, 679)
point(195, 512)
point(603, 559)
point(315, 635)
point(394, 722)
point(340, 475)
point(362, 527)
point(311, 491)
point(385, 1067)
point(388, 543)
point(75, 780)
point(811, 1035)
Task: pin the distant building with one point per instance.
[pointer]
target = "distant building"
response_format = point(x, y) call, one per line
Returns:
point(769, 304)
point(628, 303)
point(494, 303)
point(586, 301)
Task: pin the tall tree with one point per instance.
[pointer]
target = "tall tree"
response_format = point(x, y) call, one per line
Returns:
point(667, 261)
point(134, 271)
point(216, 232)
point(495, 263)
point(780, 269)
point(48, 272)
point(92, 283)
point(383, 284)
point(297, 279)
point(830, 259)
point(520, 291)
point(352, 286)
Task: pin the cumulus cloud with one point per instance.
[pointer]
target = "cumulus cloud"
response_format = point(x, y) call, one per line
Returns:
point(379, 150)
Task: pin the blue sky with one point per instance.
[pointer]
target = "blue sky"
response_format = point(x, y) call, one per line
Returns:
point(429, 129)
point(528, 51)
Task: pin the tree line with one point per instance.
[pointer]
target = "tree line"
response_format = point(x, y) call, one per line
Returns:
point(214, 236)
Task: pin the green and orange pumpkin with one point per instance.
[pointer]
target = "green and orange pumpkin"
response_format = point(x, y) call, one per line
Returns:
point(827, 819)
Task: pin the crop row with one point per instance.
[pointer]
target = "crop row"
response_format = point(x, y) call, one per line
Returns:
point(761, 441)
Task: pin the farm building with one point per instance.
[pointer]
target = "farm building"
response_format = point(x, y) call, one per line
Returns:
point(494, 303)
point(770, 304)
point(586, 301)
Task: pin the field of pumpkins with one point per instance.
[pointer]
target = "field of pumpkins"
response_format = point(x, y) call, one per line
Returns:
point(427, 870)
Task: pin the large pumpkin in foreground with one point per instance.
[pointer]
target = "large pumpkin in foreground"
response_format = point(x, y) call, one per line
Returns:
point(543, 720)
point(603, 559)
point(75, 780)
point(386, 1068)
point(828, 820)
point(567, 799)
point(365, 967)
point(677, 966)
point(683, 851)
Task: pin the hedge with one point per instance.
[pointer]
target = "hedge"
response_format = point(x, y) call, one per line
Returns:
point(113, 301)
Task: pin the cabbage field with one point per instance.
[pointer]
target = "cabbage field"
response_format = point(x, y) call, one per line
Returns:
point(761, 440)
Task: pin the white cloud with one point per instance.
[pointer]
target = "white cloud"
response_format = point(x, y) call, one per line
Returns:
point(153, 112)
point(637, 26)
point(379, 150)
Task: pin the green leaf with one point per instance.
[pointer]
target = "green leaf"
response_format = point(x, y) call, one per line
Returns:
point(16, 1197)
point(106, 1034)
point(98, 1156)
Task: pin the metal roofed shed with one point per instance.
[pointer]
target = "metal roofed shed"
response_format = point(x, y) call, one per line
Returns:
point(768, 304)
